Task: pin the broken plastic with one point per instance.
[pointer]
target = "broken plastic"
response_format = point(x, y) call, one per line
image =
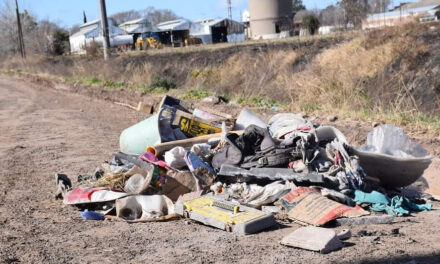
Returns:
point(247, 118)
point(392, 157)
point(149, 132)
point(143, 207)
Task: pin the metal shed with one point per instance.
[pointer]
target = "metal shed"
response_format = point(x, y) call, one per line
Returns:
point(219, 30)
point(91, 32)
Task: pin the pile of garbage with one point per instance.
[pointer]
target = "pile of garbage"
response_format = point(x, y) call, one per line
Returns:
point(242, 174)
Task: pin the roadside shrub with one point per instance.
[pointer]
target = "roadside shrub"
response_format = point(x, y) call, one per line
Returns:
point(311, 23)
point(164, 82)
point(92, 50)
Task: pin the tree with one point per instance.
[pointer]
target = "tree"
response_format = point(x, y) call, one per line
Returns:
point(311, 23)
point(157, 16)
point(74, 29)
point(40, 37)
point(354, 11)
point(84, 17)
point(8, 30)
point(332, 16)
point(125, 16)
point(378, 6)
point(297, 6)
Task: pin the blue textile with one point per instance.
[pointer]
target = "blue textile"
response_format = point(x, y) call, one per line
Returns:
point(397, 206)
point(90, 215)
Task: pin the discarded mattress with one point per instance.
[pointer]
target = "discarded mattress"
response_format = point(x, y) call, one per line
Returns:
point(391, 157)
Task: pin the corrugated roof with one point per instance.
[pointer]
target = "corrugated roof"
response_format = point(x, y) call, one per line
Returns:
point(211, 22)
point(92, 26)
point(140, 25)
point(179, 24)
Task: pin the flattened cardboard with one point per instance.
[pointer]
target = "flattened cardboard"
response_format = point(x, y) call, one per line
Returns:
point(308, 206)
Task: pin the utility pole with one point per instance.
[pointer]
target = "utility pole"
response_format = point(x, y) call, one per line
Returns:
point(229, 5)
point(104, 26)
point(20, 32)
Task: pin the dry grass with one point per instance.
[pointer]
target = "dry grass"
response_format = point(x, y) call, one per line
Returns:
point(367, 77)
point(335, 79)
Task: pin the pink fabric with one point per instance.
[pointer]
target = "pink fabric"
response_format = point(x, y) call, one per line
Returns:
point(151, 158)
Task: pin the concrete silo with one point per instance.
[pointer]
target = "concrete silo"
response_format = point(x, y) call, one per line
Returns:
point(269, 18)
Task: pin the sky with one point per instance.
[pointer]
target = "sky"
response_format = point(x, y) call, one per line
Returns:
point(70, 12)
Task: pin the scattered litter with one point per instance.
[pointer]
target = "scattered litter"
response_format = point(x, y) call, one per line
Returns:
point(175, 158)
point(63, 184)
point(201, 164)
point(271, 209)
point(313, 238)
point(344, 234)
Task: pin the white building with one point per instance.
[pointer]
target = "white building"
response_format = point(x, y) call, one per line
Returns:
point(423, 10)
point(91, 32)
point(219, 30)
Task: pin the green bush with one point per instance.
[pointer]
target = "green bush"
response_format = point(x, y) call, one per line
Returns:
point(311, 23)
point(162, 82)
point(91, 81)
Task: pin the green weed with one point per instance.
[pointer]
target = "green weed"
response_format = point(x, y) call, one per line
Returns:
point(196, 93)
point(114, 85)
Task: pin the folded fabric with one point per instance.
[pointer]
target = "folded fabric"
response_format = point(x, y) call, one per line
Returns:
point(397, 206)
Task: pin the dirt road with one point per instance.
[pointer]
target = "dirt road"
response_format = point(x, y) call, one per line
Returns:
point(44, 131)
